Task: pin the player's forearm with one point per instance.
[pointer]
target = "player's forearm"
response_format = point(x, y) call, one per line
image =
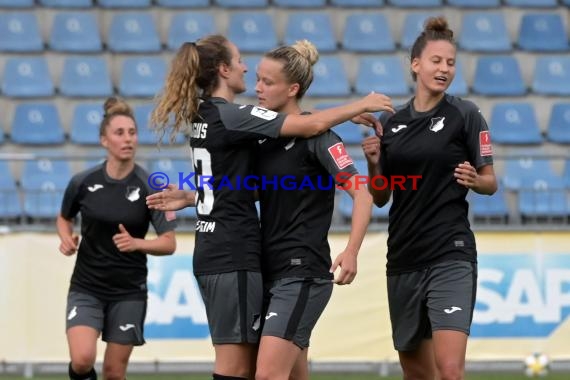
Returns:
point(164, 244)
point(485, 184)
point(361, 214)
point(64, 227)
point(379, 196)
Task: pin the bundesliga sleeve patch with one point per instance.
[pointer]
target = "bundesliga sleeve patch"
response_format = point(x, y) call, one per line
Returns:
point(170, 215)
point(340, 156)
point(263, 113)
point(485, 144)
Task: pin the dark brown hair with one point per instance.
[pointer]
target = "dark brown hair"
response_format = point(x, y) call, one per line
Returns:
point(435, 29)
point(114, 107)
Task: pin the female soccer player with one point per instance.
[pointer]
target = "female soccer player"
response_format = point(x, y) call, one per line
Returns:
point(108, 292)
point(432, 258)
point(200, 89)
point(296, 262)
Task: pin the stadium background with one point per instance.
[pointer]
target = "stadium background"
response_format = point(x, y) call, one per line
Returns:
point(60, 58)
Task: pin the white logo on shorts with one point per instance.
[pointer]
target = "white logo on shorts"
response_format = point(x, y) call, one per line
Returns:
point(72, 314)
point(453, 309)
point(270, 314)
point(126, 327)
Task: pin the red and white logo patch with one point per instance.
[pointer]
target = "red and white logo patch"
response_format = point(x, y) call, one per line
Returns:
point(340, 156)
point(485, 144)
point(170, 215)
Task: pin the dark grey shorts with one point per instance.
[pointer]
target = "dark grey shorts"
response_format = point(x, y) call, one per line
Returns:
point(119, 322)
point(233, 303)
point(293, 306)
point(441, 297)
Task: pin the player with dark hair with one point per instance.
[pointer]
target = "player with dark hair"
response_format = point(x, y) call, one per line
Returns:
point(432, 258)
point(108, 291)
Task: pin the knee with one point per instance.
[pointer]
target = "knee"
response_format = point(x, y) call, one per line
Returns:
point(82, 363)
point(263, 375)
point(450, 371)
point(113, 372)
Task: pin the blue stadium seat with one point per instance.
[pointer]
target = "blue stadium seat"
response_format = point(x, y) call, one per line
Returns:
point(531, 3)
point(189, 27)
point(381, 74)
point(558, 129)
point(489, 207)
point(357, 3)
point(543, 198)
point(16, 3)
point(330, 78)
point(252, 32)
point(514, 123)
point(459, 85)
point(542, 32)
point(300, 3)
point(565, 2)
point(552, 76)
point(566, 174)
point(67, 3)
point(10, 206)
point(133, 33)
point(142, 76)
point(124, 3)
point(413, 26)
point(367, 32)
point(520, 172)
point(20, 32)
point(474, 3)
point(183, 3)
point(484, 32)
point(85, 76)
point(242, 3)
point(43, 183)
point(37, 123)
point(27, 77)
point(85, 123)
point(76, 32)
point(416, 3)
point(315, 27)
point(172, 168)
point(498, 76)
point(251, 76)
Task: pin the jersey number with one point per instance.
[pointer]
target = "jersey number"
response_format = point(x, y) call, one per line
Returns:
point(203, 167)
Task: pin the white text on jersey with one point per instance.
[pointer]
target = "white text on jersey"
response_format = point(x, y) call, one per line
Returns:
point(199, 130)
point(202, 226)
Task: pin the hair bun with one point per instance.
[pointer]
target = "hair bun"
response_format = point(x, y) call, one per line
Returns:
point(438, 25)
point(114, 106)
point(306, 49)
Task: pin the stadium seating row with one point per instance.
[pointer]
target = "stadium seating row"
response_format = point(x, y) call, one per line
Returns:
point(541, 192)
point(143, 76)
point(282, 3)
point(254, 32)
point(40, 124)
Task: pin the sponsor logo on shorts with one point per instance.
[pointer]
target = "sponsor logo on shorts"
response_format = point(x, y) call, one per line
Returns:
point(270, 314)
point(126, 327)
point(452, 310)
point(72, 314)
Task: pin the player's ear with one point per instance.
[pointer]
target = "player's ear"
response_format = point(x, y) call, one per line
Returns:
point(293, 90)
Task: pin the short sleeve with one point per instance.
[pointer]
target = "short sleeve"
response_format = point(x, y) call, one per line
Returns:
point(331, 153)
point(160, 223)
point(477, 137)
point(70, 204)
point(257, 121)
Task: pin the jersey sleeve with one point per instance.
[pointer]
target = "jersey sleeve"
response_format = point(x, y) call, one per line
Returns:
point(477, 137)
point(248, 122)
point(70, 203)
point(331, 153)
point(160, 223)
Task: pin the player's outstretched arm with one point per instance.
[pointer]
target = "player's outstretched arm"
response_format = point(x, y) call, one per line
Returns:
point(171, 199)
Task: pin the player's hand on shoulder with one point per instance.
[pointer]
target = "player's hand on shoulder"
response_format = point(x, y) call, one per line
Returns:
point(374, 102)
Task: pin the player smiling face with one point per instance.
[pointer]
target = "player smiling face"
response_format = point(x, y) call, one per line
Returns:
point(435, 67)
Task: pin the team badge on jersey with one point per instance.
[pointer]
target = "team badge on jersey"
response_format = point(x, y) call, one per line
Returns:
point(133, 193)
point(485, 146)
point(436, 124)
point(263, 113)
point(340, 156)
